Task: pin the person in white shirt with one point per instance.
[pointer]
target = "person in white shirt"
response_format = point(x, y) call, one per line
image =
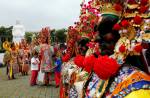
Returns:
point(34, 68)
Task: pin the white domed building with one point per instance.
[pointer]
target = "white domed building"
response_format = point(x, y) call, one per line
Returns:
point(18, 32)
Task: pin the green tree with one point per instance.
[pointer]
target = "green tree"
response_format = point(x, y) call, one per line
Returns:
point(52, 36)
point(60, 35)
point(28, 37)
point(5, 34)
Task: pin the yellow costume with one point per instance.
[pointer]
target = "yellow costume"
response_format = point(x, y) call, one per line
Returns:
point(139, 94)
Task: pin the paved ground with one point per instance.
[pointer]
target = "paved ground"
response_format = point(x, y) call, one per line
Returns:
point(19, 88)
point(1, 57)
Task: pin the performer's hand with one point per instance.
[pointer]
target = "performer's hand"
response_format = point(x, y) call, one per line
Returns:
point(38, 67)
point(34, 63)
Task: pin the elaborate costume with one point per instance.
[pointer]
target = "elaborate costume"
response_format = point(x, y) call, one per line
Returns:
point(45, 55)
point(26, 62)
point(24, 57)
point(11, 60)
point(118, 83)
point(112, 74)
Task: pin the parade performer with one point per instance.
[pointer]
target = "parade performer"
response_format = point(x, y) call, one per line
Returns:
point(21, 55)
point(23, 59)
point(73, 72)
point(12, 62)
point(45, 55)
point(113, 75)
point(7, 55)
point(26, 61)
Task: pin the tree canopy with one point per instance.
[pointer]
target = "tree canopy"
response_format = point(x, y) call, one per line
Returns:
point(6, 32)
point(28, 37)
point(60, 35)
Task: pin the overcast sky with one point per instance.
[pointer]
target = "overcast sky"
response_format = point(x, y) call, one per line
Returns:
point(35, 14)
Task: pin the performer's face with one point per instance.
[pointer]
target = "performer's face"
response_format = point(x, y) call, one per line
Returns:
point(108, 37)
point(39, 40)
point(43, 39)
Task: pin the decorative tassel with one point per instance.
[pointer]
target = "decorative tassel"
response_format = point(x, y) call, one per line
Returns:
point(78, 60)
point(89, 63)
point(106, 67)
